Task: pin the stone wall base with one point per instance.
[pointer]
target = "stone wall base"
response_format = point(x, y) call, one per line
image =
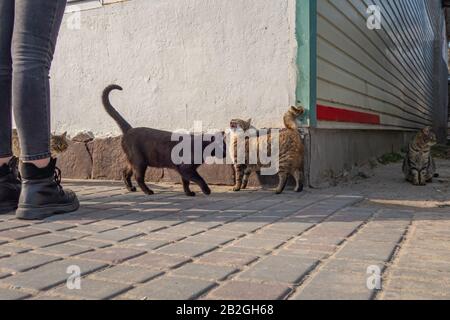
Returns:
point(328, 154)
point(103, 159)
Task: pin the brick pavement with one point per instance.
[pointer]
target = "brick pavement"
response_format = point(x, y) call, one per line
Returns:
point(248, 245)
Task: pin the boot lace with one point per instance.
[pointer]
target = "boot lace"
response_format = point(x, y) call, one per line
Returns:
point(58, 179)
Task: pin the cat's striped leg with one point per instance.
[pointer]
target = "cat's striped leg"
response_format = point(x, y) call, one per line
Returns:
point(415, 177)
point(423, 177)
point(283, 176)
point(247, 174)
point(298, 176)
point(239, 173)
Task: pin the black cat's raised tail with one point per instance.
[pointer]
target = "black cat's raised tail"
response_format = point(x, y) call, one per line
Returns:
point(123, 124)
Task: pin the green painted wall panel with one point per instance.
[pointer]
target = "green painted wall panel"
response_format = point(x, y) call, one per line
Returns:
point(306, 31)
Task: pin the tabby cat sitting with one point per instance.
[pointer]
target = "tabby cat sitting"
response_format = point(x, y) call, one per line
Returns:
point(58, 144)
point(291, 152)
point(418, 165)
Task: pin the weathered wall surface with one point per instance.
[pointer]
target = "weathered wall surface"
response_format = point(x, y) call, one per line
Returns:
point(391, 72)
point(336, 152)
point(179, 61)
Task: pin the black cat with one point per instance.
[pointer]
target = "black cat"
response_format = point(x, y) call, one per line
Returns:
point(146, 147)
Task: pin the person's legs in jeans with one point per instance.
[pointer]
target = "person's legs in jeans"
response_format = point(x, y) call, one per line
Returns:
point(36, 28)
point(9, 183)
point(6, 30)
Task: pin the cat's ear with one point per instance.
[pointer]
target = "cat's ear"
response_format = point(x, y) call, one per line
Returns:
point(426, 130)
point(299, 110)
point(64, 135)
point(249, 121)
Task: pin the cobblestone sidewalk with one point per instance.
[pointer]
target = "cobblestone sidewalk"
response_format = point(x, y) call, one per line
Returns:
point(248, 245)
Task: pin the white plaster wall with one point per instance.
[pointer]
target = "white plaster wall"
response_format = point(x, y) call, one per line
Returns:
point(179, 61)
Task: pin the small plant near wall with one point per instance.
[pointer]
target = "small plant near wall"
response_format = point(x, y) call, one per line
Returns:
point(441, 151)
point(392, 157)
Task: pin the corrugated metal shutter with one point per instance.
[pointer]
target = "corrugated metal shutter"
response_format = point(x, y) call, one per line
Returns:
point(385, 73)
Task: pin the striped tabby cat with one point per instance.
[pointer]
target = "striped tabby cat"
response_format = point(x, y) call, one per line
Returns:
point(418, 166)
point(291, 152)
point(58, 144)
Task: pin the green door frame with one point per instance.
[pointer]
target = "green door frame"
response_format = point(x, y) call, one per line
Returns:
point(306, 34)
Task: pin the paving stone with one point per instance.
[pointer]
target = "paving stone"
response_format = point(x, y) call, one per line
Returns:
point(408, 295)
point(172, 288)
point(113, 254)
point(25, 261)
point(242, 250)
point(53, 226)
point(228, 259)
point(428, 254)
point(333, 285)
point(416, 285)
point(7, 294)
point(120, 221)
point(65, 250)
point(89, 243)
point(158, 261)
point(318, 293)
point(51, 275)
point(4, 274)
point(114, 235)
point(243, 226)
point(207, 272)
point(165, 235)
point(22, 233)
point(127, 274)
point(9, 249)
point(211, 239)
point(322, 240)
point(244, 290)
point(186, 229)
point(274, 234)
point(423, 264)
point(187, 248)
point(306, 246)
point(316, 255)
point(73, 219)
point(47, 297)
point(45, 240)
point(251, 242)
point(94, 290)
point(144, 243)
point(149, 226)
point(379, 236)
point(419, 275)
point(280, 269)
point(346, 266)
point(219, 232)
point(336, 232)
point(7, 225)
point(292, 227)
point(92, 228)
point(367, 250)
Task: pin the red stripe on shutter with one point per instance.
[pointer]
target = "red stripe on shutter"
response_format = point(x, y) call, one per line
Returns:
point(333, 114)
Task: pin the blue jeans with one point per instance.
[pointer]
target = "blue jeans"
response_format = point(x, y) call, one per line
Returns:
point(28, 33)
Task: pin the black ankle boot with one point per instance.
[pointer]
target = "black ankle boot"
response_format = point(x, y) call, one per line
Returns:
point(42, 194)
point(9, 187)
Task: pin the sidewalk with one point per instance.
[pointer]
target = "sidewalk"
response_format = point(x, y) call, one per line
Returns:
point(248, 245)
